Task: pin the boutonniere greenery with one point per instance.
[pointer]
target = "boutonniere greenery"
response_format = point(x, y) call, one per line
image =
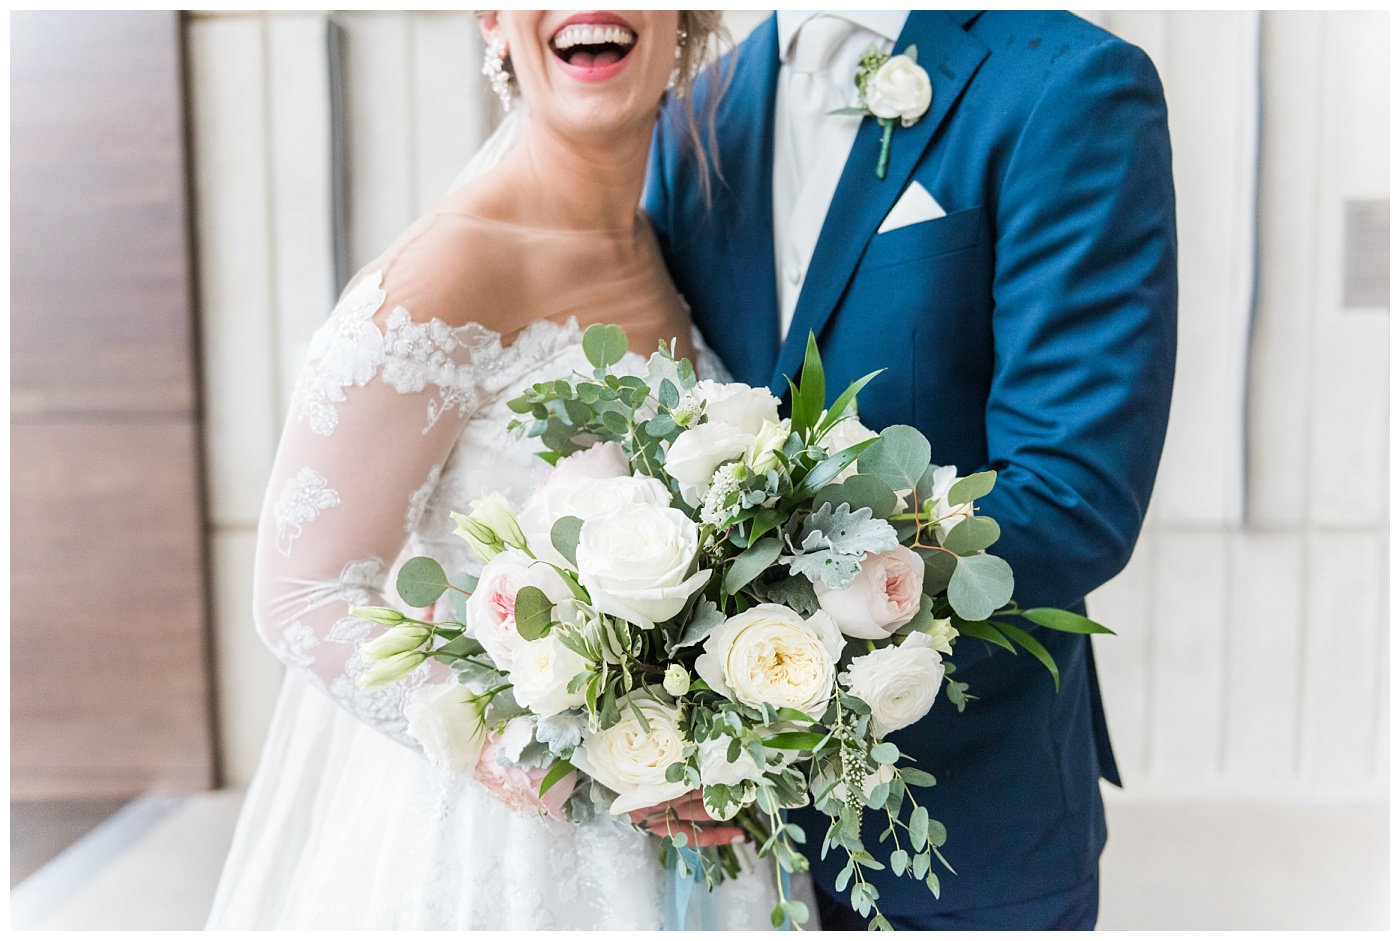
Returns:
point(892, 88)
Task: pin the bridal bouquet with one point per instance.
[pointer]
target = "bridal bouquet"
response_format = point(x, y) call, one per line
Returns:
point(703, 596)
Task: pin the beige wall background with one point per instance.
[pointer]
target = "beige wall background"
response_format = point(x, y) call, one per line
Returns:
point(1251, 663)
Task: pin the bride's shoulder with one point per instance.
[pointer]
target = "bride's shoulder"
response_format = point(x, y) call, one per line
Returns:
point(450, 268)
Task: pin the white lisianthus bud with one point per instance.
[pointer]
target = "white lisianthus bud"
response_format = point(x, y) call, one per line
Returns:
point(394, 641)
point(761, 457)
point(899, 684)
point(941, 634)
point(391, 669)
point(377, 615)
point(677, 680)
point(494, 513)
point(883, 597)
point(632, 760)
point(484, 542)
point(449, 721)
point(937, 508)
point(899, 89)
point(770, 654)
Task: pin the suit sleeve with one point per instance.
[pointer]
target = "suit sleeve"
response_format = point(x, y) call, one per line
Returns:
point(1084, 325)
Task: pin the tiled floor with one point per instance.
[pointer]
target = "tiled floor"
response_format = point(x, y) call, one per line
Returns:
point(1168, 866)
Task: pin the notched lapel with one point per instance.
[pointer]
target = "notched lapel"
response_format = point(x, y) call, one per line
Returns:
point(951, 57)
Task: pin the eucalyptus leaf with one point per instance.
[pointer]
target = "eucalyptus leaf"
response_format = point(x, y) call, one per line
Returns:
point(604, 344)
point(980, 585)
point(532, 612)
point(886, 753)
point(918, 827)
point(899, 457)
point(971, 487)
point(751, 563)
point(938, 570)
point(973, 534)
point(421, 581)
point(794, 591)
point(563, 535)
point(859, 490)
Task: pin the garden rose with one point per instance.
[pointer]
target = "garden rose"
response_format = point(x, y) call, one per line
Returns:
point(698, 452)
point(448, 720)
point(632, 761)
point(883, 597)
point(898, 683)
point(738, 405)
point(635, 563)
point(770, 654)
point(899, 89)
point(540, 670)
point(519, 788)
point(491, 608)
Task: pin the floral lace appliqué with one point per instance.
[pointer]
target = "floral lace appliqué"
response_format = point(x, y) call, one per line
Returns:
point(302, 499)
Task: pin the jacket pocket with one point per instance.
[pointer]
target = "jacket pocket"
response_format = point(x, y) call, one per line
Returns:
point(951, 233)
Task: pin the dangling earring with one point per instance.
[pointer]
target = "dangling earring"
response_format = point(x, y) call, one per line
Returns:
point(681, 37)
point(494, 68)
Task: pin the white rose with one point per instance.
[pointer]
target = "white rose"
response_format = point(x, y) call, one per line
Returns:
point(770, 654)
point(716, 768)
point(491, 608)
point(938, 509)
point(738, 405)
point(540, 670)
point(883, 597)
point(633, 761)
point(760, 457)
point(698, 452)
point(634, 563)
point(584, 485)
point(449, 722)
point(843, 435)
point(898, 683)
point(899, 89)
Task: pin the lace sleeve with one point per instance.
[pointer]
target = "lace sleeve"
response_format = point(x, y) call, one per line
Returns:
point(375, 413)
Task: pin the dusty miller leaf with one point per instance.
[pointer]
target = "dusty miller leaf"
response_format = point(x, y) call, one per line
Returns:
point(835, 541)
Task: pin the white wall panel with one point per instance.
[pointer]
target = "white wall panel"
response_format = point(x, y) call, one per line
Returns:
point(1125, 664)
point(451, 100)
point(235, 267)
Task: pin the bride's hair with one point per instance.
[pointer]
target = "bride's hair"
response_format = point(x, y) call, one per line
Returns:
point(706, 39)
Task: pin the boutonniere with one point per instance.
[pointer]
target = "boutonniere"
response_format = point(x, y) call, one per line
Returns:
point(891, 88)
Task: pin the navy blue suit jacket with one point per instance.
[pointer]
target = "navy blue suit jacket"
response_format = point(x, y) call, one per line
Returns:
point(1032, 330)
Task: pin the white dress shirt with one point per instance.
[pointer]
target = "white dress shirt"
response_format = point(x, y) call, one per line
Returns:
point(800, 205)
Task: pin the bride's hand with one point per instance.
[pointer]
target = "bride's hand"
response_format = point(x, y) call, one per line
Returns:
point(686, 815)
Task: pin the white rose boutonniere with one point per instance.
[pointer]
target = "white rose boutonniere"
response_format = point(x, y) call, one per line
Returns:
point(892, 88)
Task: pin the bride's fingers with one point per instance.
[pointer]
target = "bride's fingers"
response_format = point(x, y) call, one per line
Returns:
point(696, 834)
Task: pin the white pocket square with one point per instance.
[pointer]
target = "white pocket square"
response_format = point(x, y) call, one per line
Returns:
point(916, 205)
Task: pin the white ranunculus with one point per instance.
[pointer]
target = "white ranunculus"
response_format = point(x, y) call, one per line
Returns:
point(698, 452)
point(636, 562)
point(883, 597)
point(737, 404)
point(633, 761)
point(843, 435)
point(450, 723)
point(938, 508)
point(491, 608)
point(770, 654)
point(576, 491)
point(540, 670)
point(898, 683)
point(761, 456)
point(716, 768)
point(899, 89)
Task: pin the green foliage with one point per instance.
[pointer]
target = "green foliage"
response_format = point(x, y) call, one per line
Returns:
point(604, 345)
point(563, 535)
point(809, 392)
point(533, 610)
point(857, 491)
point(899, 457)
point(973, 534)
point(750, 563)
point(982, 630)
point(971, 487)
point(1068, 621)
point(557, 773)
point(980, 585)
point(1032, 646)
point(835, 540)
point(421, 581)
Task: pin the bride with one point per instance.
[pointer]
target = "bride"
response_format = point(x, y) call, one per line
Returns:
point(399, 418)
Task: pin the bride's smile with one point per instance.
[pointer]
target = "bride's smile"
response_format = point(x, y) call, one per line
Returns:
point(593, 47)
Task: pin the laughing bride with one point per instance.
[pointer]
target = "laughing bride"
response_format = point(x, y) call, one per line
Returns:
point(399, 417)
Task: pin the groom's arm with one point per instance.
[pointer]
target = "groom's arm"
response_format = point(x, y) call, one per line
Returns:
point(1084, 325)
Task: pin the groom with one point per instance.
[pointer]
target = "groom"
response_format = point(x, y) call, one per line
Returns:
point(1014, 275)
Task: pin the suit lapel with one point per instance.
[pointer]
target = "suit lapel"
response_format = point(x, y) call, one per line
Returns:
point(746, 126)
point(951, 57)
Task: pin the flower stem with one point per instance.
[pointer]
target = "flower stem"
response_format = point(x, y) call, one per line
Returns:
point(883, 166)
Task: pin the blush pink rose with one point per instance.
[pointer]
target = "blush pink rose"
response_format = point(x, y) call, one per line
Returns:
point(883, 598)
point(519, 789)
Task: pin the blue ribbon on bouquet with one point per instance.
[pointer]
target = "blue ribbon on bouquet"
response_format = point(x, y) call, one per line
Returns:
point(680, 887)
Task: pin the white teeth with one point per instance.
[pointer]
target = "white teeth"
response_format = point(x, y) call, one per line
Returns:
point(582, 34)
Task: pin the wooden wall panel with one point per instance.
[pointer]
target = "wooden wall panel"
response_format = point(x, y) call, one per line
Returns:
point(110, 677)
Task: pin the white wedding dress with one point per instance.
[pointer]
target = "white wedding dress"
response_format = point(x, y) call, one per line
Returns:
point(399, 418)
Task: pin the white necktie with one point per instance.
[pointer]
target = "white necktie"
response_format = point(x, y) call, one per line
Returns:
point(811, 94)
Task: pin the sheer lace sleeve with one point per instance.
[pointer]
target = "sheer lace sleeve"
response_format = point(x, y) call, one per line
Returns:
point(374, 415)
